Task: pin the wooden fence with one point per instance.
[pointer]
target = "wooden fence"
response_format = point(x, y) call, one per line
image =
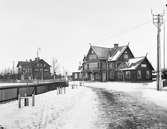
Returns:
point(11, 92)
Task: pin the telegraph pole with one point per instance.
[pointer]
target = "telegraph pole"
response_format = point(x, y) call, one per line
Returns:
point(158, 21)
point(164, 46)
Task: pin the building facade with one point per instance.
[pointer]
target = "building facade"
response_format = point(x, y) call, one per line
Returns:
point(33, 69)
point(115, 64)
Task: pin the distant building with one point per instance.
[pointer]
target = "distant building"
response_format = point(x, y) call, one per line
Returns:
point(33, 69)
point(77, 76)
point(115, 64)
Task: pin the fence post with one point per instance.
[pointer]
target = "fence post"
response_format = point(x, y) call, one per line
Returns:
point(60, 90)
point(33, 99)
point(57, 90)
point(17, 93)
point(26, 102)
point(64, 90)
point(19, 101)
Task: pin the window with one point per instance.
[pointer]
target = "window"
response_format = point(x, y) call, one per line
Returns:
point(86, 75)
point(46, 70)
point(36, 70)
point(127, 74)
point(80, 75)
point(139, 74)
point(111, 66)
point(75, 76)
point(125, 55)
point(111, 74)
point(97, 76)
point(119, 75)
point(103, 65)
point(87, 66)
point(147, 74)
point(144, 65)
point(93, 56)
point(93, 65)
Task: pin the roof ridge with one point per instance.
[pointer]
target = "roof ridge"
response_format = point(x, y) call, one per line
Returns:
point(99, 46)
point(109, 47)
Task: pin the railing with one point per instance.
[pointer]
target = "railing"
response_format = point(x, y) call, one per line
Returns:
point(11, 92)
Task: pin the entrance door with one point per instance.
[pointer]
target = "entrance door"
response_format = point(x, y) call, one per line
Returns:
point(103, 76)
point(92, 77)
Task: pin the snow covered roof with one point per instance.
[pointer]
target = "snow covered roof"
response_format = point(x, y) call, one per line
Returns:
point(101, 52)
point(133, 63)
point(115, 53)
point(111, 54)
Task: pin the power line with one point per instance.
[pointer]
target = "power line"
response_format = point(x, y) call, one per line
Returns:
point(125, 31)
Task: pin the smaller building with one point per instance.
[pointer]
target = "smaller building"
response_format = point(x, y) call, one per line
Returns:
point(135, 69)
point(33, 69)
point(77, 76)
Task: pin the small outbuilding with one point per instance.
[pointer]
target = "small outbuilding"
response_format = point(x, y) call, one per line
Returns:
point(135, 69)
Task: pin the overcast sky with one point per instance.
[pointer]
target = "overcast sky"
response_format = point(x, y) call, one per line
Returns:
point(63, 29)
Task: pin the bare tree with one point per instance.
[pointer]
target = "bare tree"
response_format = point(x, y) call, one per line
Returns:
point(55, 66)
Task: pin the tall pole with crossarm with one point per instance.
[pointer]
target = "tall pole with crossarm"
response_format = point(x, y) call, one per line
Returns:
point(158, 21)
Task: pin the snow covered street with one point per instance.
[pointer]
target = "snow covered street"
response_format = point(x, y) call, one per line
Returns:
point(97, 105)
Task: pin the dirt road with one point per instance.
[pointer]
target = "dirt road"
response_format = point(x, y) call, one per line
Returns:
point(120, 111)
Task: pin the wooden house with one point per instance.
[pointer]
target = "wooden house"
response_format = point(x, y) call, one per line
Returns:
point(108, 64)
point(136, 69)
point(36, 69)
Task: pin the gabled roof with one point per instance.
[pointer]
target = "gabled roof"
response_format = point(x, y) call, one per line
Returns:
point(34, 62)
point(116, 52)
point(23, 63)
point(111, 53)
point(133, 63)
point(101, 52)
point(31, 63)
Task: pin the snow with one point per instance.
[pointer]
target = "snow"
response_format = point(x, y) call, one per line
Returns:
point(115, 56)
point(133, 63)
point(52, 111)
point(77, 109)
point(11, 84)
point(142, 91)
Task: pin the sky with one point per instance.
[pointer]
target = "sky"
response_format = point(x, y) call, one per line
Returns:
point(63, 29)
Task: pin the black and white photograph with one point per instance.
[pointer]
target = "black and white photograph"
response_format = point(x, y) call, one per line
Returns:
point(83, 64)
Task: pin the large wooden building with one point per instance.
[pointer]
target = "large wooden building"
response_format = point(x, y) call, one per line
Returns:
point(115, 64)
point(33, 69)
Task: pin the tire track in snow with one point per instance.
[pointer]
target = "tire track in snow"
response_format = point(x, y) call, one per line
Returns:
point(121, 111)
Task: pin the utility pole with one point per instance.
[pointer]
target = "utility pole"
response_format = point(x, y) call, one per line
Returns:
point(13, 68)
point(158, 21)
point(13, 71)
point(38, 65)
point(164, 45)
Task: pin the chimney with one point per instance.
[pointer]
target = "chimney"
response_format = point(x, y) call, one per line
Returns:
point(37, 58)
point(115, 45)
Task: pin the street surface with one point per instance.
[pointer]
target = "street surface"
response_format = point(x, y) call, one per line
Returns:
point(120, 111)
point(85, 107)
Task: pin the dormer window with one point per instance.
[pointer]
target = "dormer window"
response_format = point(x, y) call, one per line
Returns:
point(126, 56)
